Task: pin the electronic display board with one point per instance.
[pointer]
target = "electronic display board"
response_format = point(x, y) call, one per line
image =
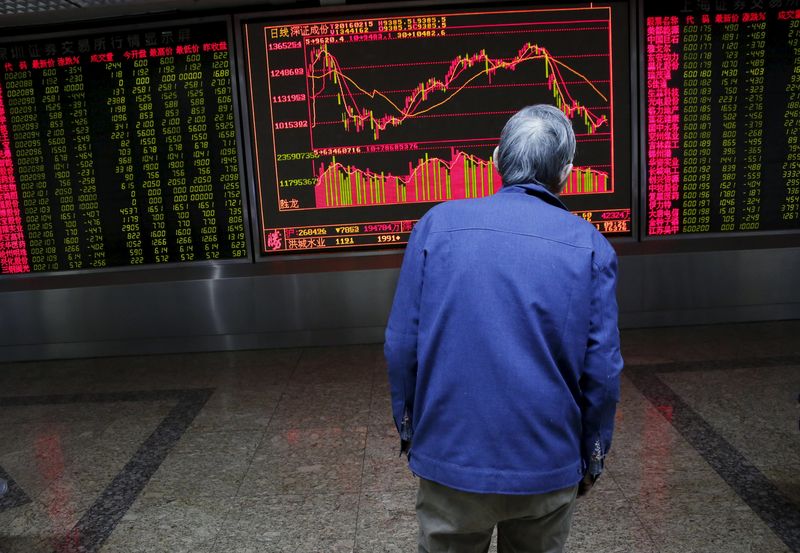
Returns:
point(118, 148)
point(360, 125)
point(723, 116)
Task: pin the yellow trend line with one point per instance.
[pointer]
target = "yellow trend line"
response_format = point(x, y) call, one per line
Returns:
point(581, 75)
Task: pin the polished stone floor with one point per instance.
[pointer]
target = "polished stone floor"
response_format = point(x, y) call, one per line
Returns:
point(294, 451)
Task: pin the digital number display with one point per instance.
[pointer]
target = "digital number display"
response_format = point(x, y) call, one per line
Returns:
point(723, 117)
point(119, 149)
point(361, 125)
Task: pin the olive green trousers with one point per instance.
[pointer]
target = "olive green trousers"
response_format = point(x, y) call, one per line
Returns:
point(452, 521)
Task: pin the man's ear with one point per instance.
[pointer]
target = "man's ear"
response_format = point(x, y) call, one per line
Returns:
point(565, 171)
point(495, 153)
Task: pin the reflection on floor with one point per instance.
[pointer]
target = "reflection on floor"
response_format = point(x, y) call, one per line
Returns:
point(294, 451)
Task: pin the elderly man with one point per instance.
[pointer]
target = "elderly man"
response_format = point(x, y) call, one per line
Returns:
point(503, 353)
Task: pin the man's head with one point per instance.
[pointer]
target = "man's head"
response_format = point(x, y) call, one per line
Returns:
point(536, 145)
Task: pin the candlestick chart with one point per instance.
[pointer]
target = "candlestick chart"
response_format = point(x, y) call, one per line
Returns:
point(325, 73)
point(378, 119)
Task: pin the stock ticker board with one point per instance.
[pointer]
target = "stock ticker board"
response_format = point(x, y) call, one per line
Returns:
point(360, 126)
point(119, 149)
point(723, 116)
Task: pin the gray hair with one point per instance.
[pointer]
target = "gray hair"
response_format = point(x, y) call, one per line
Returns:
point(535, 145)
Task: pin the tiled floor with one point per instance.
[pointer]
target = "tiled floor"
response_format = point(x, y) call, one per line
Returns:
point(294, 451)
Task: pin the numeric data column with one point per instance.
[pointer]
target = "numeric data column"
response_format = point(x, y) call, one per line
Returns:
point(705, 129)
point(56, 141)
point(94, 253)
point(728, 102)
point(690, 37)
point(790, 207)
point(172, 135)
point(697, 126)
point(201, 196)
point(123, 170)
point(151, 168)
point(24, 119)
point(229, 171)
point(755, 46)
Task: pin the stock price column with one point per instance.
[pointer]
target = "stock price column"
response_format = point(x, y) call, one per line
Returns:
point(119, 149)
point(790, 208)
point(723, 104)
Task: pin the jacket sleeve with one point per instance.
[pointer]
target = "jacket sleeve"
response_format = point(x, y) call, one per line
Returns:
point(400, 347)
point(603, 364)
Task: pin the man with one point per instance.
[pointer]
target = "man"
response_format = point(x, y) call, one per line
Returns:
point(503, 352)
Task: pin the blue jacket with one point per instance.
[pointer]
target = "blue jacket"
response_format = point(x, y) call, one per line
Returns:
point(502, 344)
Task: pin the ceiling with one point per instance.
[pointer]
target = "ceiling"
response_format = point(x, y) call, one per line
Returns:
point(11, 7)
point(32, 7)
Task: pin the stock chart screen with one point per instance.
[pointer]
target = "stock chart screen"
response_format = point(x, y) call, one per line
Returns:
point(723, 116)
point(361, 125)
point(118, 149)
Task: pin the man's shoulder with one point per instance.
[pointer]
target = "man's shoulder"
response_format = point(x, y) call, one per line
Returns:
point(449, 212)
point(605, 254)
point(505, 213)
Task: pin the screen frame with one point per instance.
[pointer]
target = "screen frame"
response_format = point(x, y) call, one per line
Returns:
point(621, 243)
point(76, 28)
point(734, 240)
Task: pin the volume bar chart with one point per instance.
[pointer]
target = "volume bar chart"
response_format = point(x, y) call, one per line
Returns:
point(461, 177)
point(431, 180)
point(586, 180)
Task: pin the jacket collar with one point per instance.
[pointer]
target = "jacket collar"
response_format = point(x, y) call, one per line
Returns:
point(537, 190)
